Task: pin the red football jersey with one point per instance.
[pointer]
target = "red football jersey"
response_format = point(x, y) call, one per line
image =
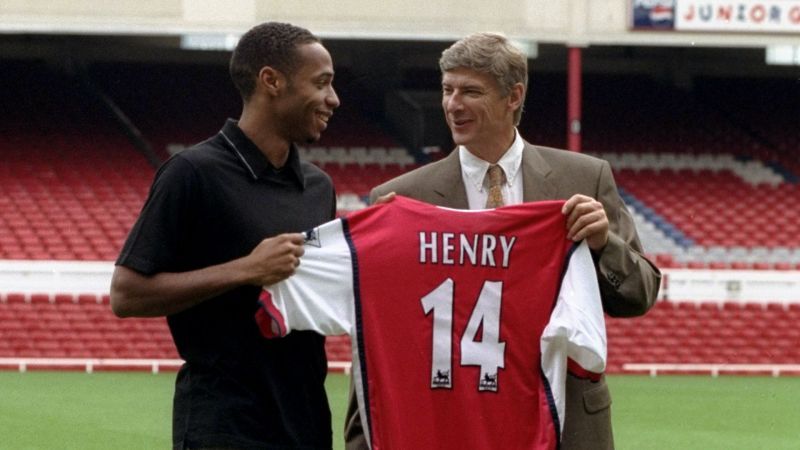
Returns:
point(462, 321)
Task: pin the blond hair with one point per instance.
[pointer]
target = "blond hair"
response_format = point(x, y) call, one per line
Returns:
point(492, 54)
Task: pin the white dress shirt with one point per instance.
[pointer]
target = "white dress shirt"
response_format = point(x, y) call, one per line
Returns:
point(473, 172)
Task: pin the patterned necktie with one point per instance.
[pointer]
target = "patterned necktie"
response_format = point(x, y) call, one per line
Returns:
point(496, 178)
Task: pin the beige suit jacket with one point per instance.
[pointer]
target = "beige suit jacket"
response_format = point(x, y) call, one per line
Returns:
point(628, 281)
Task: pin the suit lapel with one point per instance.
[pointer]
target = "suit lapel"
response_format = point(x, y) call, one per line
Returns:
point(536, 185)
point(448, 187)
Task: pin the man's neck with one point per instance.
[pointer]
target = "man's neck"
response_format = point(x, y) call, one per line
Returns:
point(493, 151)
point(271, 145)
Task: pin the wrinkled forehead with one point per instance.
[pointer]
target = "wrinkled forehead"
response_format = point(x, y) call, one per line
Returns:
point(464, 77)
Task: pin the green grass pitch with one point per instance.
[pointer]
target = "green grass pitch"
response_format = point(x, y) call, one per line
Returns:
point(75, 410)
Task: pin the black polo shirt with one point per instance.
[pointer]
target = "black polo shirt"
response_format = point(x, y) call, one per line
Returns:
point(208, 205)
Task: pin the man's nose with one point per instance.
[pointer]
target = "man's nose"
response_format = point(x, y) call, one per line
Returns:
point(453, 103)
point(332, 99)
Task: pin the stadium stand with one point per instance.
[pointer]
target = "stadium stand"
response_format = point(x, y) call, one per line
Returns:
point(764, 109)
point(80, 327)
point(703, 174)
point(760, 337)
point(677, 335)
point(71, 183)
point(699, 221)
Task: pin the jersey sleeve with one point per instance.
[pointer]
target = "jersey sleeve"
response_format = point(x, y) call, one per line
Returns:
point(319, 296)
point(575, 337)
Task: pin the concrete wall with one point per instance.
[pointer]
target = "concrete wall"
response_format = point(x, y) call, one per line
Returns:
point(572, 22)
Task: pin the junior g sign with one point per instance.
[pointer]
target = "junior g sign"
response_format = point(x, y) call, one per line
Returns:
point(773, 16)
point(765, 16)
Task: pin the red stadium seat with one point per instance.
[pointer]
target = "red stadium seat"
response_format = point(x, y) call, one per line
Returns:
point(16, 297)
point(38, 298)
point(63, 298)
point(741, 265)
point(87, 299)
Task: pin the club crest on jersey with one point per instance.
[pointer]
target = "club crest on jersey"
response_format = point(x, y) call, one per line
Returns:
point(488, 382)
point(441, 380)
point(311, 237)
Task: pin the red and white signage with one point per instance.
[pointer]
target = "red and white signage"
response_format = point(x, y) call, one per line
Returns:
point(772, 16)
point(760, 16)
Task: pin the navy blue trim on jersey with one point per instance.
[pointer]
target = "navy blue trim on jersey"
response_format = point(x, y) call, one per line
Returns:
point(551, 404)
point(367, 419)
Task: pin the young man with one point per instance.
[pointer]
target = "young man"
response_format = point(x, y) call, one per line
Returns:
point(215, 228)
point(484, 81)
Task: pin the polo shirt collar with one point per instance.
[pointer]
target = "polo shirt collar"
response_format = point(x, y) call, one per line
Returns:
point(253, 161)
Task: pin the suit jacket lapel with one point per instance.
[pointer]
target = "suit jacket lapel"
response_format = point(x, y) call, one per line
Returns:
point(536, 185)
point(448, 187)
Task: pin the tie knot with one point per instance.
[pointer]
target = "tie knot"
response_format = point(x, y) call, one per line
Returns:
point(496, 175)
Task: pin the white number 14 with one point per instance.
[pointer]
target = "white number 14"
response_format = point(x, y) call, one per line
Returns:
point(488, 353)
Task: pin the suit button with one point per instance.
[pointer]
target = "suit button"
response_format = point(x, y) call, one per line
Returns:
point(613, 279)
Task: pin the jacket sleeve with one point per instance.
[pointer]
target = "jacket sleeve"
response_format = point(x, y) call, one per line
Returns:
point(629, 282)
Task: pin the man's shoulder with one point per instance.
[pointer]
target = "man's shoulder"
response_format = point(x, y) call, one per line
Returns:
point(564, 160)
point(314, 173)
point(561, 156)
point(207, 151)
point(418, 178)
point(311, 167)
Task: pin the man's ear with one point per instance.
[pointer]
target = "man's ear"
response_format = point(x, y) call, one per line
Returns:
point(516, 96)
point(271, 80)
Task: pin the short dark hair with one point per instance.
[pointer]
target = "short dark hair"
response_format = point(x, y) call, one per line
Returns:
point(271, 44)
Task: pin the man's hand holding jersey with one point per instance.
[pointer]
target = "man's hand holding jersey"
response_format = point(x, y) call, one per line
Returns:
point(275, 259)
point(586, 219)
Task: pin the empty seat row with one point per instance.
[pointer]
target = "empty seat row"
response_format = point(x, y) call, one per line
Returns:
point(359, 156)
point(707, 333)
point(69, 325)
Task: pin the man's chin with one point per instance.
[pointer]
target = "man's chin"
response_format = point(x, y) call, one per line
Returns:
point(459, 139)
point(312, 138)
